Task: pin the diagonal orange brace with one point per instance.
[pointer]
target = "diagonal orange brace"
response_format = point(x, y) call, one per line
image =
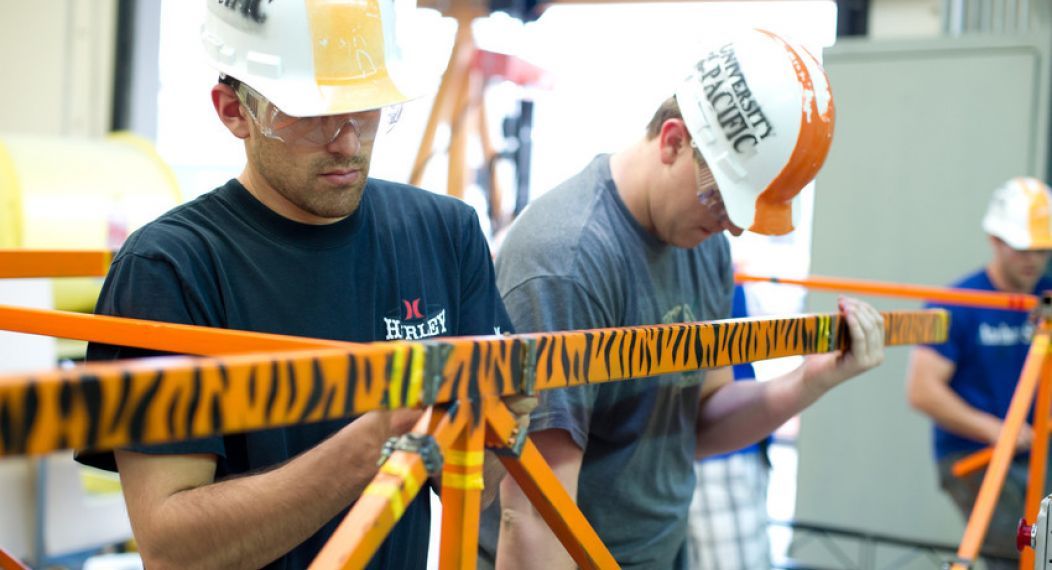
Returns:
point(546, 492)
point(1035, 488)
point(8, 562)
point(382, 503)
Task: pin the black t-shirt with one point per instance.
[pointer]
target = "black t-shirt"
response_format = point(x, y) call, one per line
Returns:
point(408, 264)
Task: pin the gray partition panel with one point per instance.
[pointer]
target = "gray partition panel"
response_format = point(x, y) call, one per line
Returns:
point(925, 131)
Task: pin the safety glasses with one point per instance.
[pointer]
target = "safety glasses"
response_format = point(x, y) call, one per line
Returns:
point(308, 132)
point(708, 192)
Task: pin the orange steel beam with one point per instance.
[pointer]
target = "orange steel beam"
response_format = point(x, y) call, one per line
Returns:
point(103, 405)
point(456, 73)
point(1037, 361)
point(1035, 488)
point(966, 297)
point(382, 503)
point(547, 494)
point(152, 335)
point(972, 462)
point(462, 493)
point(8, 562)
point(27, 263)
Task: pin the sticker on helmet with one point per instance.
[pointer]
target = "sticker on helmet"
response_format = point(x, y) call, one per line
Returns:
point(739, 115)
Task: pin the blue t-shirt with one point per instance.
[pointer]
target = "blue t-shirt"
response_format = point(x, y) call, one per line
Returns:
point(406, 265)
point(988, 348)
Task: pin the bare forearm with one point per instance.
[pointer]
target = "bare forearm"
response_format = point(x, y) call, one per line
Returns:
point(492, 474)
point(742, 413)
point(250, 521)
point(955, 415)
point(526, 542)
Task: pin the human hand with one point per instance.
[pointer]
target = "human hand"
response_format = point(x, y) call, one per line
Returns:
point(382, 425)
point(1025, 438)
point(865, 326)
point(521, 406)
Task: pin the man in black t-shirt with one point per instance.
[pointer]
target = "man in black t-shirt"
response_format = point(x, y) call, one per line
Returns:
point(301, 243)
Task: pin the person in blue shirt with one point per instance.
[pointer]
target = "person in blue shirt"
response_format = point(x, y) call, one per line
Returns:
point(728, 515)
point(966, 384)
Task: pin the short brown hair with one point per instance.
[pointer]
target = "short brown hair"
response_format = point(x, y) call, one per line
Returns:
point(668, 110)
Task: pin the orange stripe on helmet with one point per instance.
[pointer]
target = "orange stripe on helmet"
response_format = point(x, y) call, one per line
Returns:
point(350, 66)
point(1038, 214)
point(773, 205)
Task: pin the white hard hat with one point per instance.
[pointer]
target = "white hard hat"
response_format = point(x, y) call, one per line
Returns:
point(1019, 214)
point(310, 57)
point(760, 110)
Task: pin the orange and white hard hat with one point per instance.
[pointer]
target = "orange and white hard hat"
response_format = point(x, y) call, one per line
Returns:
point(760, 110)
point(1018, 214)
point(311, 57)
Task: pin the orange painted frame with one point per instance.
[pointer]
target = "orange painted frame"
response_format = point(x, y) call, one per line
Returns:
point(1034, 379)
point(26, 263)
point(401, 477)
point(966, 297)
point(8, 562)
point(461, 438)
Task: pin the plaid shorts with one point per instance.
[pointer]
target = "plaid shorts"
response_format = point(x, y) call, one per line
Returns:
point(728, 516)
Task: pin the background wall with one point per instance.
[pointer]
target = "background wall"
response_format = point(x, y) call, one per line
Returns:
point(904, 18)
point(57, 58)
point(926, 130)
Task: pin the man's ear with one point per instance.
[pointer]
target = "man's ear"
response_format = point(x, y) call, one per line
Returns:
point(673, 140)
point(228, 109)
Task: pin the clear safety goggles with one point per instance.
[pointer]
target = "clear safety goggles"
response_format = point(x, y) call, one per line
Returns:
point(708, 192)
point(317, 131)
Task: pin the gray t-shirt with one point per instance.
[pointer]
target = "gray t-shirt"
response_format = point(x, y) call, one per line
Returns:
point(577, 259)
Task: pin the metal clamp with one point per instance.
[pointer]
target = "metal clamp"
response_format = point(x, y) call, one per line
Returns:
point(421, 444)
point(434, 365)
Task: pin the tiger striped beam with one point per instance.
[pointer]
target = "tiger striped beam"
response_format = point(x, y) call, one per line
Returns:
point(27, 263)
point(154, 400)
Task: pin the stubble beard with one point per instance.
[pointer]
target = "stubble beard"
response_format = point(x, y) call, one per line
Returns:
point(303, 187)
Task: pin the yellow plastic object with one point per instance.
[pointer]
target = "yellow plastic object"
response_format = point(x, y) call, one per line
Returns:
point(97, 482)
point(79, 193)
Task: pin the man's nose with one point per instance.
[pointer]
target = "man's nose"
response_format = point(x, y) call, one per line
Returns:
point(346, 141)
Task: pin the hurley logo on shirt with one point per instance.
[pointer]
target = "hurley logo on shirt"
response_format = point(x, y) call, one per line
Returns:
point(408, 322)
point(1003, 334)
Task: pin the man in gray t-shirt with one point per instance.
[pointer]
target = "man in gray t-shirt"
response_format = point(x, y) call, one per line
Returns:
point(636, 238)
